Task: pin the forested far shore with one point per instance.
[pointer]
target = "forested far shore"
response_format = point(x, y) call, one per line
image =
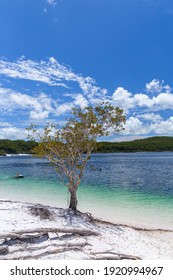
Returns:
point(152, 144)
point(16, 147)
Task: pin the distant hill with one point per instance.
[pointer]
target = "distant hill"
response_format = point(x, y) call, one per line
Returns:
point(152, 144)
point(16, 146)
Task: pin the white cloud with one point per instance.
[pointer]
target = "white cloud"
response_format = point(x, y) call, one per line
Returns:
point(150, 117)
point(134, 126)
point(52, 73)
point(80, 100)
point(156, 86)
point(160, 102)
point(5, 124)
point(164, 127)
point(5, 102)
point(163, 101)
point(12, 133)
point(25, 101)
point(126, 100)
point(127, 138)
point(64, 108)
point(140, 106)
point(23, 70)
point(39, 107)
point(39, 115)
point(123, 98)
point(142, 100)
point(52, 2)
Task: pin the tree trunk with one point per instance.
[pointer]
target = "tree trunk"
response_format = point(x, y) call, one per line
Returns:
point(73, 199)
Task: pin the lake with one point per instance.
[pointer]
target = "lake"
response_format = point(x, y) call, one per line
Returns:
point(128, 188)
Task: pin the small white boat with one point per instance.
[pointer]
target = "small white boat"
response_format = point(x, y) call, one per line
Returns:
point(18, 176)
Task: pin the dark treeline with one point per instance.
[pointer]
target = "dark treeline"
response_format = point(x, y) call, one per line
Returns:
point(153, 144)
point(16, 147)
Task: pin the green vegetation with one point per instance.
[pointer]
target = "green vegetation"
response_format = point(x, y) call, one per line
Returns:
point(69, 148)
point(152, 144)
point(16, 147)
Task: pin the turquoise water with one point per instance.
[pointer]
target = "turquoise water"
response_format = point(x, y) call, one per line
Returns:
point(134, 189)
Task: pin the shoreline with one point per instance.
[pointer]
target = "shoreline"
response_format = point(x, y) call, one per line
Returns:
point(123, 198)
point(139, 218)
point(95, 219)
point(37, 231)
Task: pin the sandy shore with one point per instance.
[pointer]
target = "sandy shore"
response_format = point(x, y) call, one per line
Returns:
point(35, 231)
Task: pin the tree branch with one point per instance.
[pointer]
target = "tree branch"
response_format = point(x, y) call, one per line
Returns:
point(17, 234)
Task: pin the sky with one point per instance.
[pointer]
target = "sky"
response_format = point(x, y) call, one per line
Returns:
point(57, 54)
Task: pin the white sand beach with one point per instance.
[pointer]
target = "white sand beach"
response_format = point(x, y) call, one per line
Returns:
point(35, 231)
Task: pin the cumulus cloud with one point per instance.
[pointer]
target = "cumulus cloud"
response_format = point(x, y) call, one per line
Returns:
point(13, 133)
point(164, 127)
point(39, 107)
point(144, 110)
point(160, 102)
point(39, 115)
point(150, 117)
point(163, 101)
point(123, 98)
point(80, 100)
point(64, 108)
point(134, 126)
point(156, 86)
point(142, 100)
point(148, 122)
point(126, 100)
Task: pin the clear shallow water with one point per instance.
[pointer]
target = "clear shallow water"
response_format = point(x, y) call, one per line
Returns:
point(134, 189)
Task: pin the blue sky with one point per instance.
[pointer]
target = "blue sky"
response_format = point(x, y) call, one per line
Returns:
point(55, 54)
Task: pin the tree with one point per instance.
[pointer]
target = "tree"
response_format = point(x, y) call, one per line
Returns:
point(69, 148)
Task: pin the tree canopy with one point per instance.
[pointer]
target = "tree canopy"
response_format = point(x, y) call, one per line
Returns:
point(69, 147)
